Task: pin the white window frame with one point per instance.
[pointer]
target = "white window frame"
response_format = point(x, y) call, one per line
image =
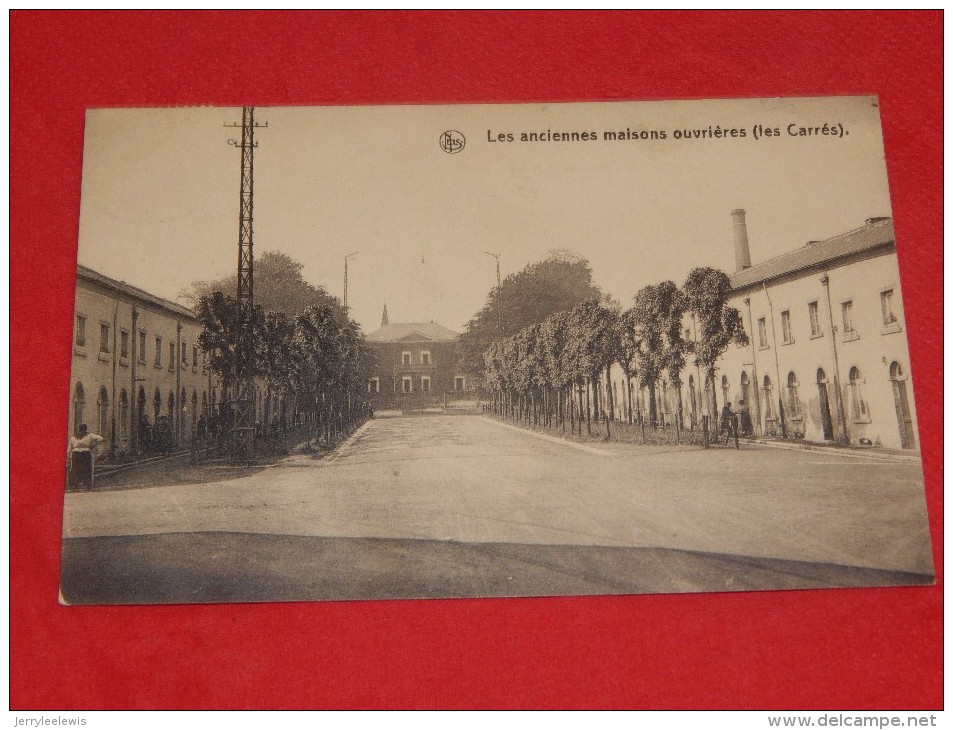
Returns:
point(425, 358)
point(425, 384)
point(80, 317)
point(893, 324)
point(406, 384)
point(406, 358)
point(787, 330)
point(104, 328)
point(463, 385)
point(123, 337)
point(847, 320)
point(814, 317)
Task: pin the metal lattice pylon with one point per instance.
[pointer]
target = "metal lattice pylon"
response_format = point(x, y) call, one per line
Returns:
point(243, 424)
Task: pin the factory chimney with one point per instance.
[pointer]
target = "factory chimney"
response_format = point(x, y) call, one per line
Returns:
point(742, 254)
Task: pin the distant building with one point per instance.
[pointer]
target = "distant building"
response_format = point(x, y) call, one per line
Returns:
point(416, 364)
point(135, 357)
point(827, 345)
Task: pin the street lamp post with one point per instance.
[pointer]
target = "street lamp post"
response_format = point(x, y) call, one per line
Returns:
point(499, 313)
point(345, 277)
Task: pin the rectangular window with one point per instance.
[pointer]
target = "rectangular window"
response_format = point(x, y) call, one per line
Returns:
point(158, 352)
point(886, 306)
point(123, 344)
point(80, 330)
point(195, 356)
point(408, 385)
point(847, 314)
point(185, 355)
point(786, 335)
point(815, 320)
point(405, 358)
point(425, 357)
point(171, 356)
point(141, 355)
point(374, 385)
point(762, 333)
point(459, 383)
point(425, 384)
point(103, 337)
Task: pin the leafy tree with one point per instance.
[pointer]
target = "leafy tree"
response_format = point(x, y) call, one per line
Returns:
point(218, 314)
point(279, 287)
point(670, 307)
point(555, 284)
point(649, 333)
point(627, 344)
point(706, 293)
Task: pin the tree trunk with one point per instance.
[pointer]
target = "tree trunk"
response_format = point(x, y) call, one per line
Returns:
point(588, 412)
point(628, 391)
point(653, 407)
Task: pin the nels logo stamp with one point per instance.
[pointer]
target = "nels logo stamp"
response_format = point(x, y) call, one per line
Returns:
point(452, 142)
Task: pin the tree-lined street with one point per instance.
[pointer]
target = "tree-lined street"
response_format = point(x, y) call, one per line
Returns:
point(463, 505)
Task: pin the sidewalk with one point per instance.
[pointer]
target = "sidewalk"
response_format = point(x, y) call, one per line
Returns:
point(863, 452)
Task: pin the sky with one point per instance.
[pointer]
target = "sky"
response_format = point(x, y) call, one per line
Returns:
point(161, 190)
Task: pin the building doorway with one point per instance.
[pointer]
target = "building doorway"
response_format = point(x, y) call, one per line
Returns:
point(826, 422)
point(79, 406)
point(904, 419)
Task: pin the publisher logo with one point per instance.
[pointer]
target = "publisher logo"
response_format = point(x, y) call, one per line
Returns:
point(452, 142)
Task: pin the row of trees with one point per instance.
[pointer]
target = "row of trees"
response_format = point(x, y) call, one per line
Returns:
point(310, 355)
point(550, 371)
point(557, 283)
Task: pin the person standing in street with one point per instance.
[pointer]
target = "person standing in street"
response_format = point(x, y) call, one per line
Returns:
point(79, 457)
point(727, 417)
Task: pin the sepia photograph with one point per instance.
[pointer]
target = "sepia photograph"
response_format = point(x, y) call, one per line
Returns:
point(494, 350)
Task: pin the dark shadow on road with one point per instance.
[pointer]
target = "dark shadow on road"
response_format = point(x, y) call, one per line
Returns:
point(218, 567)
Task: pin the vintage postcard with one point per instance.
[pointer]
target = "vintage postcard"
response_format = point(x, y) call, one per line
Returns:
point(340, 353)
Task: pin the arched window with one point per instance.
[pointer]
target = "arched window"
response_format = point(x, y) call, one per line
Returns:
point(140, 404)
point(858, 399)
point(156, 405)
point(725, 397)
point(102, 413)
point(79, 406)
point(171, 405)
point(896, 371)
point(745, 389)
point(794, 403)
point(768, 398)
point(710, 395)
point(123, 416)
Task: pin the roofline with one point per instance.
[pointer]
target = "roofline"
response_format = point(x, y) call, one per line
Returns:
point(120, 287)
point(879, 249)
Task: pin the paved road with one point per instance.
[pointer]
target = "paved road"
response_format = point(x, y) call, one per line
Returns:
point(423, 487)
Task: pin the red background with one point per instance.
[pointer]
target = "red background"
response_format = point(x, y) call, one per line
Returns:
point(860, 648)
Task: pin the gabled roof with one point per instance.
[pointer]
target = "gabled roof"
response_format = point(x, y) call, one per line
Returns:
point(877, 233)
point(410, 331)
point(121, 287)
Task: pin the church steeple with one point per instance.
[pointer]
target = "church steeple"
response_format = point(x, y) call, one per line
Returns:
point(384, 320)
